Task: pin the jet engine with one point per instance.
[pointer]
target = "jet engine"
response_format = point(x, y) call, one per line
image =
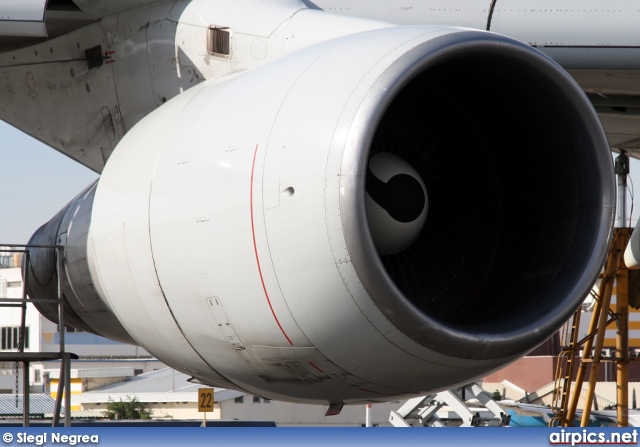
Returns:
point(388, 213)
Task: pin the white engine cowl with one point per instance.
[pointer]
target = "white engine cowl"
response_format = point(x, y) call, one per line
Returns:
point(230, 235)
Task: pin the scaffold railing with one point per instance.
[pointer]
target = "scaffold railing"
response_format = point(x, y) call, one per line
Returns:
point(26, 358)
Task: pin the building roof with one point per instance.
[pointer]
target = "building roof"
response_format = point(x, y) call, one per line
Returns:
point(164, 380)
point(39, 404)
point(93, 373)
point(162, 385)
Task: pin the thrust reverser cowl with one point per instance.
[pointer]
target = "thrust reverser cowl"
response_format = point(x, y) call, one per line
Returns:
point(230, 237)
point(83, 306)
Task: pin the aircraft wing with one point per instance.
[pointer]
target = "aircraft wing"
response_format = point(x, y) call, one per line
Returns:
point(599, 47)
point(50, 51)
point(26, 22)
point(620, 116)
point(44, 44)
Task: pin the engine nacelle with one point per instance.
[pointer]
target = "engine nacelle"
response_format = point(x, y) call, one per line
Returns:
point(230, 234)
point(84, 307)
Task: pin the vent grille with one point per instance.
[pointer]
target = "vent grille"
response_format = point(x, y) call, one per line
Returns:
point(219, 41)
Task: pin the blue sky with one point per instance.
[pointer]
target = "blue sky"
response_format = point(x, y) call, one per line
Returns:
point(37, 181)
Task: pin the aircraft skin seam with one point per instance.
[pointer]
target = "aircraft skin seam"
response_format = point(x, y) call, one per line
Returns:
point(115, 90)
point(336, 42)
point(164, 296)
point(255, 248)
point(30, 64)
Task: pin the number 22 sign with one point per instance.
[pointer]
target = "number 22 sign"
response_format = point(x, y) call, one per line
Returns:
point(205, 400)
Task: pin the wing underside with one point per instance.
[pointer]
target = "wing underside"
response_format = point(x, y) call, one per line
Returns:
point(616, 97)
point(50, 89)
point(27, 22)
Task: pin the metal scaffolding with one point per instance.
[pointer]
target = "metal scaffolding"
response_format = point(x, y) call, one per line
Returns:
point(588, 351)
point(26, 358)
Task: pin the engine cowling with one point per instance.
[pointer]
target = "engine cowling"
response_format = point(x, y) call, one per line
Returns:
point(231, 230)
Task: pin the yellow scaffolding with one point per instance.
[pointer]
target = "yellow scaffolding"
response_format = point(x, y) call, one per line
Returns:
point(568, 390)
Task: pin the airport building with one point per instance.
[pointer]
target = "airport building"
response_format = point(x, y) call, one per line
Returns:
point(169, 395)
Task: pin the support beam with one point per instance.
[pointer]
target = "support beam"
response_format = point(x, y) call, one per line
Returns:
point(26, 413)
point(622, 337)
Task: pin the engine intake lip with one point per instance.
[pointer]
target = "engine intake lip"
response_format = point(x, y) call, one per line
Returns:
point(522, 332)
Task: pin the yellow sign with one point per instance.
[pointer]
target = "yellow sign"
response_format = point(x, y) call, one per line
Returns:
point(205, 400)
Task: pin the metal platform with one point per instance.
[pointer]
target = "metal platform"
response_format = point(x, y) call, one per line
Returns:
point(26, 358)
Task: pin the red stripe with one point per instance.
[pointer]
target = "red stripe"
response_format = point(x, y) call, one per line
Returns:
point(311, 363)
point(255, 248)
